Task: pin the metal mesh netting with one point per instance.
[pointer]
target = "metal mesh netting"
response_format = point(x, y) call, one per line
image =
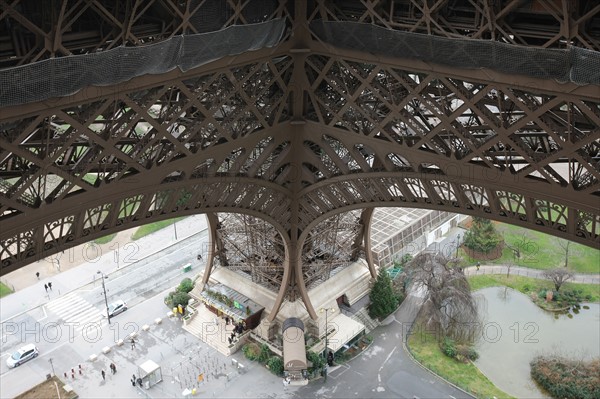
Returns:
point(575, 65)
point(59, 77)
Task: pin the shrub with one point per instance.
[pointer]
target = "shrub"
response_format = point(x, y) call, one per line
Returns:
point(467, 352)
point(181, 298)
point(316, 360)
point(264, 354)
point(186, 285)
point(169, 299)
point(275, 364)
point(175, 298)
point(251, 351)
point(448, 347)
point(568, 379)
point(461, 353)
point(342, 357)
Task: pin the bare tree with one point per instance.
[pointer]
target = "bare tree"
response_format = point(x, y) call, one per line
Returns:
point(519, 247)
point(448, 304)
point(565, 245)
point(558, 276)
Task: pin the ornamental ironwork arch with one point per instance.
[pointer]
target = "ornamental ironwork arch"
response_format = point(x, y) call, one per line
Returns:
point(292, 113)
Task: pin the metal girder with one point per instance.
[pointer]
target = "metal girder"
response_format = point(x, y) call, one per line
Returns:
point(283, 146)
point(542, 23)
point(33, 30)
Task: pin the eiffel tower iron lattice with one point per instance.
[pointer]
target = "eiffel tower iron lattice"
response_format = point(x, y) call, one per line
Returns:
point(288, 122)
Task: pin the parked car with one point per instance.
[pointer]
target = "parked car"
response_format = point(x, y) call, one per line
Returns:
point(22, 355)
point(116, 307)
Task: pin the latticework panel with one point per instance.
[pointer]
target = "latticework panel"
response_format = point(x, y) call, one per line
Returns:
point(255, 249)
point(199, 134)
point(251, 247)
point(459, 143)
point(328, 247)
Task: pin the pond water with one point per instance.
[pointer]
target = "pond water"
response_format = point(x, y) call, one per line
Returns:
point(516, 331)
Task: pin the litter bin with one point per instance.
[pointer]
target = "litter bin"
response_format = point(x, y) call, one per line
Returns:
point(186, 268)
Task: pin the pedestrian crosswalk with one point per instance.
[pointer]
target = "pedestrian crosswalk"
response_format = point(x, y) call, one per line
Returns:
point(76, 311)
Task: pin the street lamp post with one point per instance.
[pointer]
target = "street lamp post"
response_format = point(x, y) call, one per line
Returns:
point(457, 244)
point(105, 298)
point(326, 310)
point(52, 365)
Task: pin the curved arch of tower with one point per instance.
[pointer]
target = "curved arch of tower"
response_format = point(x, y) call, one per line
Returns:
point(287, 123)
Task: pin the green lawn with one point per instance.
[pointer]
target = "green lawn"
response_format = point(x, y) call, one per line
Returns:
point(105, 239)
point(4, 290)
point(541, 251)
point(425, 349)
point(528, 284)
point(152, 227)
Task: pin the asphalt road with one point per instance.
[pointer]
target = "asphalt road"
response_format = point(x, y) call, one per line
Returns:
point(385, 370)
point(82, 312)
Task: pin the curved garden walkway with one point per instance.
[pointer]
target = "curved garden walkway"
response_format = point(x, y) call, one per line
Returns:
point(527, 272)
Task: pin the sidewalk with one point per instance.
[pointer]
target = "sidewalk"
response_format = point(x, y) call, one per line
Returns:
point(447, 245)
point(526, 272)
point(79, 265)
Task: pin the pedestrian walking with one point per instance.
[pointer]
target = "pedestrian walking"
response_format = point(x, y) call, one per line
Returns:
point(113, 368)
point(478, 265)
point(132, 343)
point(133, 380)
point(46, 287)
point(37, 274)
point(103, 375)
point(50, 285)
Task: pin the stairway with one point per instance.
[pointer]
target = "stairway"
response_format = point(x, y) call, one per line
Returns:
point(203, 326)
point(362, 316)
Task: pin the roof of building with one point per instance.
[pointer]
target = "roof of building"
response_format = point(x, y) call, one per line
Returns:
point(341, 329)
point(214, 294)
point(387, 222)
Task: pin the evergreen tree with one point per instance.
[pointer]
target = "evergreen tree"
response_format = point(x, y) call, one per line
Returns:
point(482, 236)
point(383, 300)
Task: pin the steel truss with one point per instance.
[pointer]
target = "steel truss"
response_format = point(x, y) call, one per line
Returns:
point(300, 141)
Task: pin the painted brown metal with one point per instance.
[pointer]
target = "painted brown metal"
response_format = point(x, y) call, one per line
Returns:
point(297, 136)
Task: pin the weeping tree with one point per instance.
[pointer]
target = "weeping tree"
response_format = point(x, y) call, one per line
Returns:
point(448, 305)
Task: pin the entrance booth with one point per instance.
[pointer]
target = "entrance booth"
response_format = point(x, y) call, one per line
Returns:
point(150, 373)
point(227, 302)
